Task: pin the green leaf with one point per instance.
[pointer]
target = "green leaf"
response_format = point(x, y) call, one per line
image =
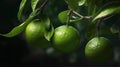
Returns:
point(34, 4)
point(49, 27)
point(18, 29)
point(63, 16)
point(110, 8)
point(24, 9)
point(49, 33)
point(81, 2)
point(22, 4)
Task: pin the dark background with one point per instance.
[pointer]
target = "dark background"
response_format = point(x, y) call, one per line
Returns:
point(16, 52)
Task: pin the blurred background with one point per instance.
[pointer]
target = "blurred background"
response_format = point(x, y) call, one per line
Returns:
point(16, 52)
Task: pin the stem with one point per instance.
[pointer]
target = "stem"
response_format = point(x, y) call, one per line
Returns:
point(44, 3)
point(99, 27)
point(82, 17)
point(68, 16)
point(78, 14)
point(87, 17)
point(107, 17)
point(42, 7)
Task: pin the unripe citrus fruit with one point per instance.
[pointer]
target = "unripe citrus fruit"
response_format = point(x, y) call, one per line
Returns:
point(99, 50)
point(66, 39)
point(34, 34)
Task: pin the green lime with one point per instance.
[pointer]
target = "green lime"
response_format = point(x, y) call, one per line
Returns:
point(99, 50)
point(34, 34)
point(66, 39)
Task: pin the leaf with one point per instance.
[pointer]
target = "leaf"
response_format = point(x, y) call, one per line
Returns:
point(24, 9)
point(18, 29)
point(81, 2)
point(110, 8)
point(34, 4)
point(49, 27)
point(22, 4)
point(63, 16)
point(49, 33)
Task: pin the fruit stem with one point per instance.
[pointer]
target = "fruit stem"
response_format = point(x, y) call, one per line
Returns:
point(99, 24)
point(68, 16)
point(99, 27)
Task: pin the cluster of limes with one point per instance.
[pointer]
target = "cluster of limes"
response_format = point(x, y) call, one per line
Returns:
point(67, 39)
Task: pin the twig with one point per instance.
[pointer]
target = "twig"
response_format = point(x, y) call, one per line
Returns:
point(41, 7)
point(44, 3)
point(82, 17)
point(68, 16)
point(77, 14)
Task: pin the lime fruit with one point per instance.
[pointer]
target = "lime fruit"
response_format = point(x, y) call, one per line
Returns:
point(99, 50)
point(34, 34)
point(66, 39)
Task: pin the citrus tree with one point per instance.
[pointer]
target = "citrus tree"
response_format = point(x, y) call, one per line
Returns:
point(93, 21)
